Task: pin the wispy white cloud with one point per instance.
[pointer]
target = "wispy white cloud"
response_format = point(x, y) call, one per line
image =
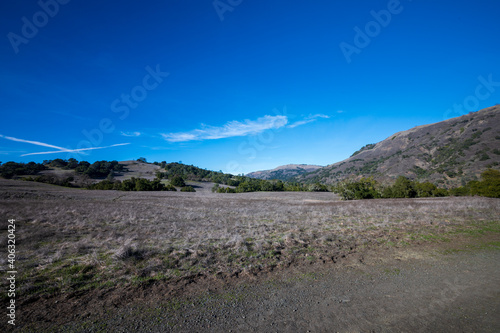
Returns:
point(308, 120)
point(59, 149)
point(75, 150)
point(183, 137)
point(340, 111)
point(31, 142)
point(231, 129)
point(131, 134)
point(319, 115)
point(300, 122)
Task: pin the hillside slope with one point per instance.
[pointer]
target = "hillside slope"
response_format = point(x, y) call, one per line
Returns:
point(137, 169)
point(450, 153)
point(284, 172)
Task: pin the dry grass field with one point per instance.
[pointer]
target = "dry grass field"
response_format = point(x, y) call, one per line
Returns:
point(73, 240)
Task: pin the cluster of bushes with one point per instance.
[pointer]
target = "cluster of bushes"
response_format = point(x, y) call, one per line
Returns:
point(258, 185)
point(98, 169)
point(221, 189)
point(187, 189)
point(365, 147)
point(141, 184)
point(177, 181)
point(489, 186)
point(368, 188)
point(66, 181)
point(69, 164)
point(178, 173)
point(10, 169)
point(133, 184)
point(251, 185)
point(189, 172)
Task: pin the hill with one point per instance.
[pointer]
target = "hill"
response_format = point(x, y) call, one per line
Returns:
point(137, 169)
point(449, 153)
point(284, 172)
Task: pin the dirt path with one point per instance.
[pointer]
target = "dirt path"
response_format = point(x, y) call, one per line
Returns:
point(451, 287)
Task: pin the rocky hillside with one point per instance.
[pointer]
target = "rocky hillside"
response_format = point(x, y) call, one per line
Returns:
point(449, 153)
point(284, 172)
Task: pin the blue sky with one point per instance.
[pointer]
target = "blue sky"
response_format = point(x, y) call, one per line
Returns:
point(236, 85)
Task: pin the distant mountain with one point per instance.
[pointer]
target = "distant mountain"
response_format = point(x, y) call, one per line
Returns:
point(284, 172)
point(449, 153)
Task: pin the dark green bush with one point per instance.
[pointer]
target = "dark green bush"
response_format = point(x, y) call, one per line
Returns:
point(132, 184)
point(365, 188)
point(188, 189)
point(489, 186)
point(177, 181)
point(403, 188)
point(10, 169)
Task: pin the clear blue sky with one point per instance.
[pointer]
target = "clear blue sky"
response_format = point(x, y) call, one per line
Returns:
point(236, 85)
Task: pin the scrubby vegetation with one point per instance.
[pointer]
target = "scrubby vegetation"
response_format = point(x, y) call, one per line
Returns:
point(133, 184)
point(98, 169)
point(187, 189)
point(246, 184)
point(178, 174)
point(10, 169)
point(60, 181)
point(489, 186)
point(368, 188)
point(366, 147)
point(177, 181)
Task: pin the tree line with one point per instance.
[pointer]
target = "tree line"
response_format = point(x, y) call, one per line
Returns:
point(98, 169)
point(368, 188)
point(177, 174)
point(132, 184)
point(246, 184)
point(31, 171)
point(9, 170)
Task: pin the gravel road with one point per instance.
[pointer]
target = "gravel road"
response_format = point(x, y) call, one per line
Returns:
point(422, 289)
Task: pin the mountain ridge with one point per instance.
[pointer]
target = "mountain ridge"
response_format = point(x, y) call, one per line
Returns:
point(284, 172)
point(450, 153)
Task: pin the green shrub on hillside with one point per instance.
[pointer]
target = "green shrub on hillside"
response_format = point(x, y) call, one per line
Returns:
point(132, 184)
point(188, 189)
point(425, 189)
point(489, 186)
point(317, 187)
point(10, 169)
point(403, 188)
point(177, 181)
point(53, 180)
point(365, 188)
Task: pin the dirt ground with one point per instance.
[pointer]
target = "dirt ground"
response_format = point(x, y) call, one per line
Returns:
point(447, 287)
point(399, 266)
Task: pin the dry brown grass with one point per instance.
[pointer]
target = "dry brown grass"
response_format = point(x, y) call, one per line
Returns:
point(70, 240)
